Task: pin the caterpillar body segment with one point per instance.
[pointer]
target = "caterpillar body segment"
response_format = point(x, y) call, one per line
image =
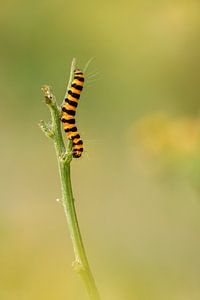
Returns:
point(69, 111)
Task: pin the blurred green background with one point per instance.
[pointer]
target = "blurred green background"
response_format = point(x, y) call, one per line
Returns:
point(137, 185)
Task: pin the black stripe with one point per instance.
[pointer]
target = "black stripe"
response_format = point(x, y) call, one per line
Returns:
point(69, 111)
point(73, 103)
point(79, 149)
point(74, 95)
point(80, 142)
point(77, 86)
point(73, 129)
point(78, 73)
point(79, 78)
point(69, 121)
point(77, 136)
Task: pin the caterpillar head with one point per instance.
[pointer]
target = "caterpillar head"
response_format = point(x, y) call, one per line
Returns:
point(77, 153)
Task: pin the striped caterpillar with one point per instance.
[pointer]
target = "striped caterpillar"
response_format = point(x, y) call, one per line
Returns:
point(69, 112)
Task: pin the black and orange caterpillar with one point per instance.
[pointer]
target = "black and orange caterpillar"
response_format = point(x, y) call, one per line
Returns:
point(69, 111)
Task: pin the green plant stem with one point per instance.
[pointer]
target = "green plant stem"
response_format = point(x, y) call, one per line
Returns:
point(73, 67)
point(64, 158)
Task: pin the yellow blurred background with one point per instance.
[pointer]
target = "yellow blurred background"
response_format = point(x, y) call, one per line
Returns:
point(137, 185)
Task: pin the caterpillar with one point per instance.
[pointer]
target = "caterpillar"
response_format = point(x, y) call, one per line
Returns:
point(69, 111)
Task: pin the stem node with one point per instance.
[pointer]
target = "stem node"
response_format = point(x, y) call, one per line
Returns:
point(78, 267)
point(66, 157)
point(46, 128)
